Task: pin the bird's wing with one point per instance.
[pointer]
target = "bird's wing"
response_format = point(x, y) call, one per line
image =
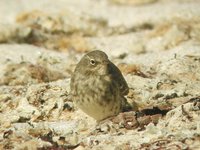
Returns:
point(117, 76)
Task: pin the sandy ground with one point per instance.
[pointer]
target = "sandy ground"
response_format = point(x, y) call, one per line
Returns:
point(156, 45)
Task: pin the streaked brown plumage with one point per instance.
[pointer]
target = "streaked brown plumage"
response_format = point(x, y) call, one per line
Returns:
point(97, 86)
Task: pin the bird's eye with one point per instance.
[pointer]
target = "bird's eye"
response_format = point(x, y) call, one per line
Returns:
point(92, 62)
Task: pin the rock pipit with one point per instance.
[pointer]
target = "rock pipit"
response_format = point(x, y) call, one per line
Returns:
point(97, 86)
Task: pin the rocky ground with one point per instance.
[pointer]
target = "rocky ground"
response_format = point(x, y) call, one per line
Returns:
point(156, 45)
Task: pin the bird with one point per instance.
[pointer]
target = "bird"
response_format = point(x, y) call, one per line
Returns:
point(97, 86)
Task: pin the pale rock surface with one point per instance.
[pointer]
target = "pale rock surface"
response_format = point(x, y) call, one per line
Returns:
point(155, 43)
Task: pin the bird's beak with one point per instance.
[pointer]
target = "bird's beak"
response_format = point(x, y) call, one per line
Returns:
point(105, 62)
point(104, 68)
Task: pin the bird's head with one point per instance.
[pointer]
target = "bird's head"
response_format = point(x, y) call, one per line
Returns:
point(94, 63)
